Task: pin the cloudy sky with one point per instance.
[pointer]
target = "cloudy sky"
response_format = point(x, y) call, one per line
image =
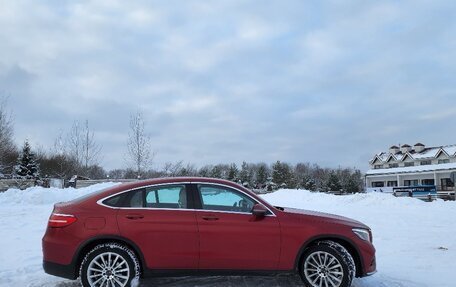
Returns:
point(328, 82)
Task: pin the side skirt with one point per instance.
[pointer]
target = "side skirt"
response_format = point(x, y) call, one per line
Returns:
point(181, 273)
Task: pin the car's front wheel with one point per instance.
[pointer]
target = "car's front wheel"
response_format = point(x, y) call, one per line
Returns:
point(327, 264)
point(110, 264)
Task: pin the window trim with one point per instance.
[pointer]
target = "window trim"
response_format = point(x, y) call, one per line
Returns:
point(189, 195)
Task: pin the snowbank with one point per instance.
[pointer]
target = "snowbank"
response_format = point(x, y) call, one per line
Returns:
point(415, 240)
point(23, 220)
point(43, 196)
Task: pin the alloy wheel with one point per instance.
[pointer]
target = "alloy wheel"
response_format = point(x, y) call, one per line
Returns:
point(323, 269)
point(108, 270)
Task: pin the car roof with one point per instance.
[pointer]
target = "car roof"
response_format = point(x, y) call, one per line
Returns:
point(166, 180)
point(169, 180)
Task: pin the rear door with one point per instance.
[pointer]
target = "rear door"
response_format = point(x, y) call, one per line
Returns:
point(160, 220)
point(231, 238)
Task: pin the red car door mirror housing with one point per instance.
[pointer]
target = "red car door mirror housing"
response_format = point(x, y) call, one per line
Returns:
point(259, 210)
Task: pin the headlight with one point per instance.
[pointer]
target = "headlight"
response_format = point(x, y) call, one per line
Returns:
point(364, 234)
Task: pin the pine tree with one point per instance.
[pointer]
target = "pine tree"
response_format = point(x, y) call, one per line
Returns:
point(204, 171)
point(244, 175)
point(333, 182)
point(27, 167)
point(281, 175)
point(262, 175)
point(216, 172)
point(233, 172)
point(309, 183)
point(353, 183)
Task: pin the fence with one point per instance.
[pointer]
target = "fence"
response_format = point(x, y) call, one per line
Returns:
point(6, 184)
point(84, 183)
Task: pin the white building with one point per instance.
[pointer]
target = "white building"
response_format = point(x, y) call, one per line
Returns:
point(413, 166)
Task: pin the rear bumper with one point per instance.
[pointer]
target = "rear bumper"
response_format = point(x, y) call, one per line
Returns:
point(60, 270)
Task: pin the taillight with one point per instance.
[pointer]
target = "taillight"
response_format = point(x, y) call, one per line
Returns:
point(61, 220)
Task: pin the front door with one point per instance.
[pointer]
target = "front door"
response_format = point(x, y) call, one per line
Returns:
point(161, 223)
point(231, 238)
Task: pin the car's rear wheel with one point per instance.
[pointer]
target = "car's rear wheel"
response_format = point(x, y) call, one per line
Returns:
point(110, 264)
point(327, 264)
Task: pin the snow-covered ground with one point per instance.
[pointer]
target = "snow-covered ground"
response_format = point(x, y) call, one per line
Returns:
point(415, 240)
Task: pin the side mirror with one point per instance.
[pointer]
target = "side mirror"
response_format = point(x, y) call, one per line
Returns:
point(259, 210)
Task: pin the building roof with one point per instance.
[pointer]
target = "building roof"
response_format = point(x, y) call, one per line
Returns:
point(426, 153)
point(412, 169)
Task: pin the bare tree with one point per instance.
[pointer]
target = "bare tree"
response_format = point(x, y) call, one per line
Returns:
point(82, 145)
point(64, 165)
point(173, 169)
point(139, 147)
point(90, 149)
point(178, 169)
point(7, 146)
point(74, 143)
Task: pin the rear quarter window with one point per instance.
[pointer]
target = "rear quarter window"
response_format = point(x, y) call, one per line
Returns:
point(132, 199)
point(115, 201)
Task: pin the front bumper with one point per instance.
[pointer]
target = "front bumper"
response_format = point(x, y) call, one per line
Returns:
point(371, 269)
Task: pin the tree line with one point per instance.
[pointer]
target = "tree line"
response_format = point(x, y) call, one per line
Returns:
point(76, 152)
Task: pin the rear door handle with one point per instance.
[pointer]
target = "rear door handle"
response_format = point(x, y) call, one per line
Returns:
point(134, 216)
point(210, 218)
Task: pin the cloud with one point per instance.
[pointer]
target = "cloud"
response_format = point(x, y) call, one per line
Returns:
point(325, 82)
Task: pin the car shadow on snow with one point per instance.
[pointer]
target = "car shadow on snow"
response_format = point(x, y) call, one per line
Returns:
point(224, 281)
point(219, 281)
point(283, 280)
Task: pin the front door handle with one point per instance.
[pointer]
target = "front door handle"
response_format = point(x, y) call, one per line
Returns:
point(210, 218)
point(134, 216)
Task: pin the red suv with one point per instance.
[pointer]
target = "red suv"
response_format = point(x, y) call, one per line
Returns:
point(185, 226)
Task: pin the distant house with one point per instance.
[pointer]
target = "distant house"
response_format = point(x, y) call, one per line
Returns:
point(413, 166)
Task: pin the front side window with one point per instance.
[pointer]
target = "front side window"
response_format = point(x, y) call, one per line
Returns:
point(426, 162)
point(224, 199)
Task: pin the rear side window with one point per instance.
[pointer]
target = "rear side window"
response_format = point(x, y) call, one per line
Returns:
point(136, 199)
point(167, 197)
point(174, 196)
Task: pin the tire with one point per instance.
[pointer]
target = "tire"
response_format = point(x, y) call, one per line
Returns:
point(327, 264)
point(110, 262)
